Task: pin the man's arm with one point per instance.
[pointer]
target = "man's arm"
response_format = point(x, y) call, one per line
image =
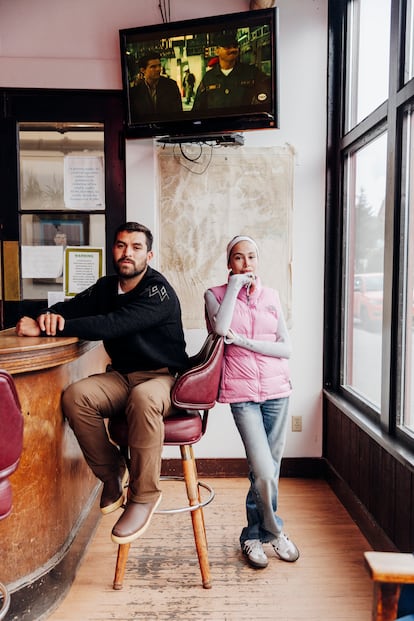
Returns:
point(52, 320)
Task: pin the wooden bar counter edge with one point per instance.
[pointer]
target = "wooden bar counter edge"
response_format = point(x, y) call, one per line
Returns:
point(55, 495)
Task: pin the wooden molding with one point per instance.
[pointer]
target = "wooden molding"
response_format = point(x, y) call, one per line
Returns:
point(261, 4)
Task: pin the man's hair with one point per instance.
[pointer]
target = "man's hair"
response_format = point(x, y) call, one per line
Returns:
point(130, 227)
point(144, 60)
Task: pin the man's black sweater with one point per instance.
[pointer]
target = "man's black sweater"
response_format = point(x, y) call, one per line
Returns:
point(140, 329)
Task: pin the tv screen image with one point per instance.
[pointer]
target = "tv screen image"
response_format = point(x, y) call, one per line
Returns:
point(215, 74)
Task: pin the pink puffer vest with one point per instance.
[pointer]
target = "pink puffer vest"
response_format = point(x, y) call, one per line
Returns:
point(248, 376)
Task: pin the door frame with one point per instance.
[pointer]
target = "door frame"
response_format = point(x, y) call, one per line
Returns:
point(56, 106)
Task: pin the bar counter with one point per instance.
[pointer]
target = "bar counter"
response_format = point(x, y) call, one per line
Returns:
point(55, 495)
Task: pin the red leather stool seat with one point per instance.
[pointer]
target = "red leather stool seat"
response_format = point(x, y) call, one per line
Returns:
point(179, 428)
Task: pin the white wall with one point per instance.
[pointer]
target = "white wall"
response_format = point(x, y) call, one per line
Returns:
point(74, 44)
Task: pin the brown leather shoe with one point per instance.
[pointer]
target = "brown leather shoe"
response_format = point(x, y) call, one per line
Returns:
point(134, 521)
point(113, 491)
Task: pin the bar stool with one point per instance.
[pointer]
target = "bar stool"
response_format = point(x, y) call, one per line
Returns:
point(193, 391)
point(389, 572)
point(11, 441)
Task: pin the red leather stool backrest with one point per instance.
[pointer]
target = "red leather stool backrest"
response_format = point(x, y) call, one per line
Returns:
point(11, 438)
point(196, 389)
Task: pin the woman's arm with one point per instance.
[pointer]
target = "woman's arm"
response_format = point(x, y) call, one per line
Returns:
point(220, 317)
point(280, 348)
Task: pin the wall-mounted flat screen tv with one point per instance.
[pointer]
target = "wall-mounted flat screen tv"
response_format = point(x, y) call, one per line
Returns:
point(209, 75)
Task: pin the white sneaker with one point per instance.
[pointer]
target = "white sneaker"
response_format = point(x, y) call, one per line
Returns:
point(253, 550)
point(285, 549)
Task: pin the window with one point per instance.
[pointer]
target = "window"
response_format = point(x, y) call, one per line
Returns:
point(409, 42)
point(370, 210)
point(62, 199)
point(364, 260)
point(405, 419)
point(367, 57)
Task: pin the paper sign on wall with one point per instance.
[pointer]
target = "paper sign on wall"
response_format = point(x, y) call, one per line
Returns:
point(42, 261)
point(83, 182)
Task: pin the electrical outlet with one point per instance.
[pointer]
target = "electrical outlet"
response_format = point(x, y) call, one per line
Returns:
point(296, 423)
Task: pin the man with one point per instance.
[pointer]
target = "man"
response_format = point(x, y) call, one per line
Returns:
point(137, 315)
point(230, 83)
point(188, 84)
point(153, 95)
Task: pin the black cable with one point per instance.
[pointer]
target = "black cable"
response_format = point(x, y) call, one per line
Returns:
point(161, 8)
point(165, 10)
point(194, 161)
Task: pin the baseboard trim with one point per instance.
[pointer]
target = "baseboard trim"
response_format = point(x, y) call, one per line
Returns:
point(303, 467)
point(371, 530)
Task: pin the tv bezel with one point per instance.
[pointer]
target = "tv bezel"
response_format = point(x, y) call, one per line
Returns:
point(220, 120)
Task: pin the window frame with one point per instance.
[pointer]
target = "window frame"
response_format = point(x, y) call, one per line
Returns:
point(341, 142)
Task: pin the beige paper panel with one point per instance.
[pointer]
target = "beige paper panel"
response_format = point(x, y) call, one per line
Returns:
point(206, 195)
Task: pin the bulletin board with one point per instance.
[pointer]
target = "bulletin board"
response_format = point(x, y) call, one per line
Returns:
point(206, 196)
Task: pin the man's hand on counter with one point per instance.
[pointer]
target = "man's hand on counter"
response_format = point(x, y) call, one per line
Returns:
point(26, 326)
point(47, 322)
point(51, 323)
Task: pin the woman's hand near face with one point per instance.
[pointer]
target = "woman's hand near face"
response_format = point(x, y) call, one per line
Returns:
point(242, 280)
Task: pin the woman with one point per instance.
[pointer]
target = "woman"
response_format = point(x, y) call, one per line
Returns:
point(256, 383)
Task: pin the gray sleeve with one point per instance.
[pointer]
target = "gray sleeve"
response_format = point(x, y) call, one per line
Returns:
point(281, 348)
point(220, 315)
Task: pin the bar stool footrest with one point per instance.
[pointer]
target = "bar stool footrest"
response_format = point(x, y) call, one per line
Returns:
point(199, 505)
point(4, 601)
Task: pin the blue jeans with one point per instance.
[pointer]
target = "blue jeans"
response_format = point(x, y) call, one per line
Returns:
point(262, 427)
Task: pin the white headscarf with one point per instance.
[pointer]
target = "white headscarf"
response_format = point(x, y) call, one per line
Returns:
point(238, 239)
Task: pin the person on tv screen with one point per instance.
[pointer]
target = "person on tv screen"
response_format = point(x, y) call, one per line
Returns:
point(188, 84)
point(153, 94)
point(230, 83)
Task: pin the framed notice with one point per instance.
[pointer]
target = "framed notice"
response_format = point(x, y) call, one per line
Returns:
point(83, 266)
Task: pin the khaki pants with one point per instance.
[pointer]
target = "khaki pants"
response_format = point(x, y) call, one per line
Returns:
point(145, 398)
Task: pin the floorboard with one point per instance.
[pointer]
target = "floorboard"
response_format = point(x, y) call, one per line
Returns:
point(162, 581)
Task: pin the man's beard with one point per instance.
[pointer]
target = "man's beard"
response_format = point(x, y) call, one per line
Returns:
point(127, 276)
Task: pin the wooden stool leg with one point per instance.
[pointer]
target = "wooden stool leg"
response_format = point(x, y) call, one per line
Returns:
point(121, 561)
point(385, 602)
point(197, 516)
point(198, 490)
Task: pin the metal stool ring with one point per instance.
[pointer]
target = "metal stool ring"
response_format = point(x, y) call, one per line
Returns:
point(5, 605)
point(199, 505)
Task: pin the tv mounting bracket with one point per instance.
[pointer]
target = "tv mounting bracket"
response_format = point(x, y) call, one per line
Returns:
point(218, 139)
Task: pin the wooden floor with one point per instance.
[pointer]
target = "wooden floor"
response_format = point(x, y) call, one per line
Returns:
point(162, 581)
